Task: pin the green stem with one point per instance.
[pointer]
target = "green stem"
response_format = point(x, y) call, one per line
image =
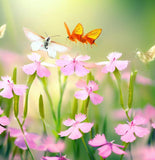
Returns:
point(44, 83)
point(59, 105)
point(85, 146)
point(25, 138)
point(29, 83)
point(125, 147)
point(118, 78)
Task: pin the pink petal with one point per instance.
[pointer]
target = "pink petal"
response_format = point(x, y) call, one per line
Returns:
point(80, 117)
point(85, 127)
point(67, 132)
point(140, 131)
point(121, 129)
point(81, 94)
point(113, 55)
point(15, 132)
point(19, 89)
point(66, 57)
point(121, 65)
point(58, 147)
point(2, 129)
point(138, 120)
point(62, 62)
point(68, 69)
point(81, 70)
point(95, 98)
point(34, 57)
point(153, 125)
point(50, 158)
point(81, 84)
point(30, 68)
point(128, 137)
point(83, 58)
point(75, 134)
point(149, 112)
point(7, 92)
point(117, 150)
point(108, 68)
point(93, 85)
point(98, 140)
point(68, 122)
point(105, 151)
point(20, 143)
point(43, 71)
point(2, 84)
point(4, 121)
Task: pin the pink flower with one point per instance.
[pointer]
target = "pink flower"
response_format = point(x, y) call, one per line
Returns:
point(70, 65)
point(55, 158)
point(113, 63)
point(51, 146)
point(3, 121)
point(127, 131)
point(8, 86)
point(105, 148)
point(143, 153)
point(87, 90)
point(37, 66)
point(139, 78)
point(149, 114)
point(76, 126)
point(31, 138)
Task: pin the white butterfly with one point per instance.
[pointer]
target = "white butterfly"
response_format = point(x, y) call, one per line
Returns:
point(39, 43)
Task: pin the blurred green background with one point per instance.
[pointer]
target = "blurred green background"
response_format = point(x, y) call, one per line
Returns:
point(127, 25)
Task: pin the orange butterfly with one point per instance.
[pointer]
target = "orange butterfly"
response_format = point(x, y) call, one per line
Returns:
point(77, 34)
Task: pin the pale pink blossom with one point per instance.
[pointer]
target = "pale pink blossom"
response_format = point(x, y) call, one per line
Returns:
point(76, 126)
point(55, 158)
point(9, 87)
point(139, 78)
point(33, 140)
point(105, 148)
point(143, 153)
point(149, 114)
point(88, 90)
point(51, 146)
point(128, 131)
point(4, 121)
point(75, 65)
point(37, 66)
point(113, 63)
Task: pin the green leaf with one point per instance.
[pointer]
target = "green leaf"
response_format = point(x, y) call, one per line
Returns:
point(29, 83)
point(41, 107)
point(14, 76)
point(74, 107)
point(131, 88)
point(16, 105)
point(90, 77)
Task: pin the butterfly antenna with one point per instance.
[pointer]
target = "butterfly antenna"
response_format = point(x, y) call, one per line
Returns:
point(46, 34)
point(56, 36)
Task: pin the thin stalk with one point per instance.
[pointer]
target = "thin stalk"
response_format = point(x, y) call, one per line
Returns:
point(85, 146)
point(60, 104)
point(21, 127)
point(44, 83)
point(125, 147)
point(29, 84)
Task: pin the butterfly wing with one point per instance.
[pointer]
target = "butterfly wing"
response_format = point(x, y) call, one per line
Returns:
point(32, 36)
point(92, 35)
point(37, 45)
point(56, 47)
point(2, 30)
point(78, 31)
point(67, 29)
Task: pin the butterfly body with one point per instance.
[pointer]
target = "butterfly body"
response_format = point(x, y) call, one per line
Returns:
point(77, 34)
point(39, 43)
